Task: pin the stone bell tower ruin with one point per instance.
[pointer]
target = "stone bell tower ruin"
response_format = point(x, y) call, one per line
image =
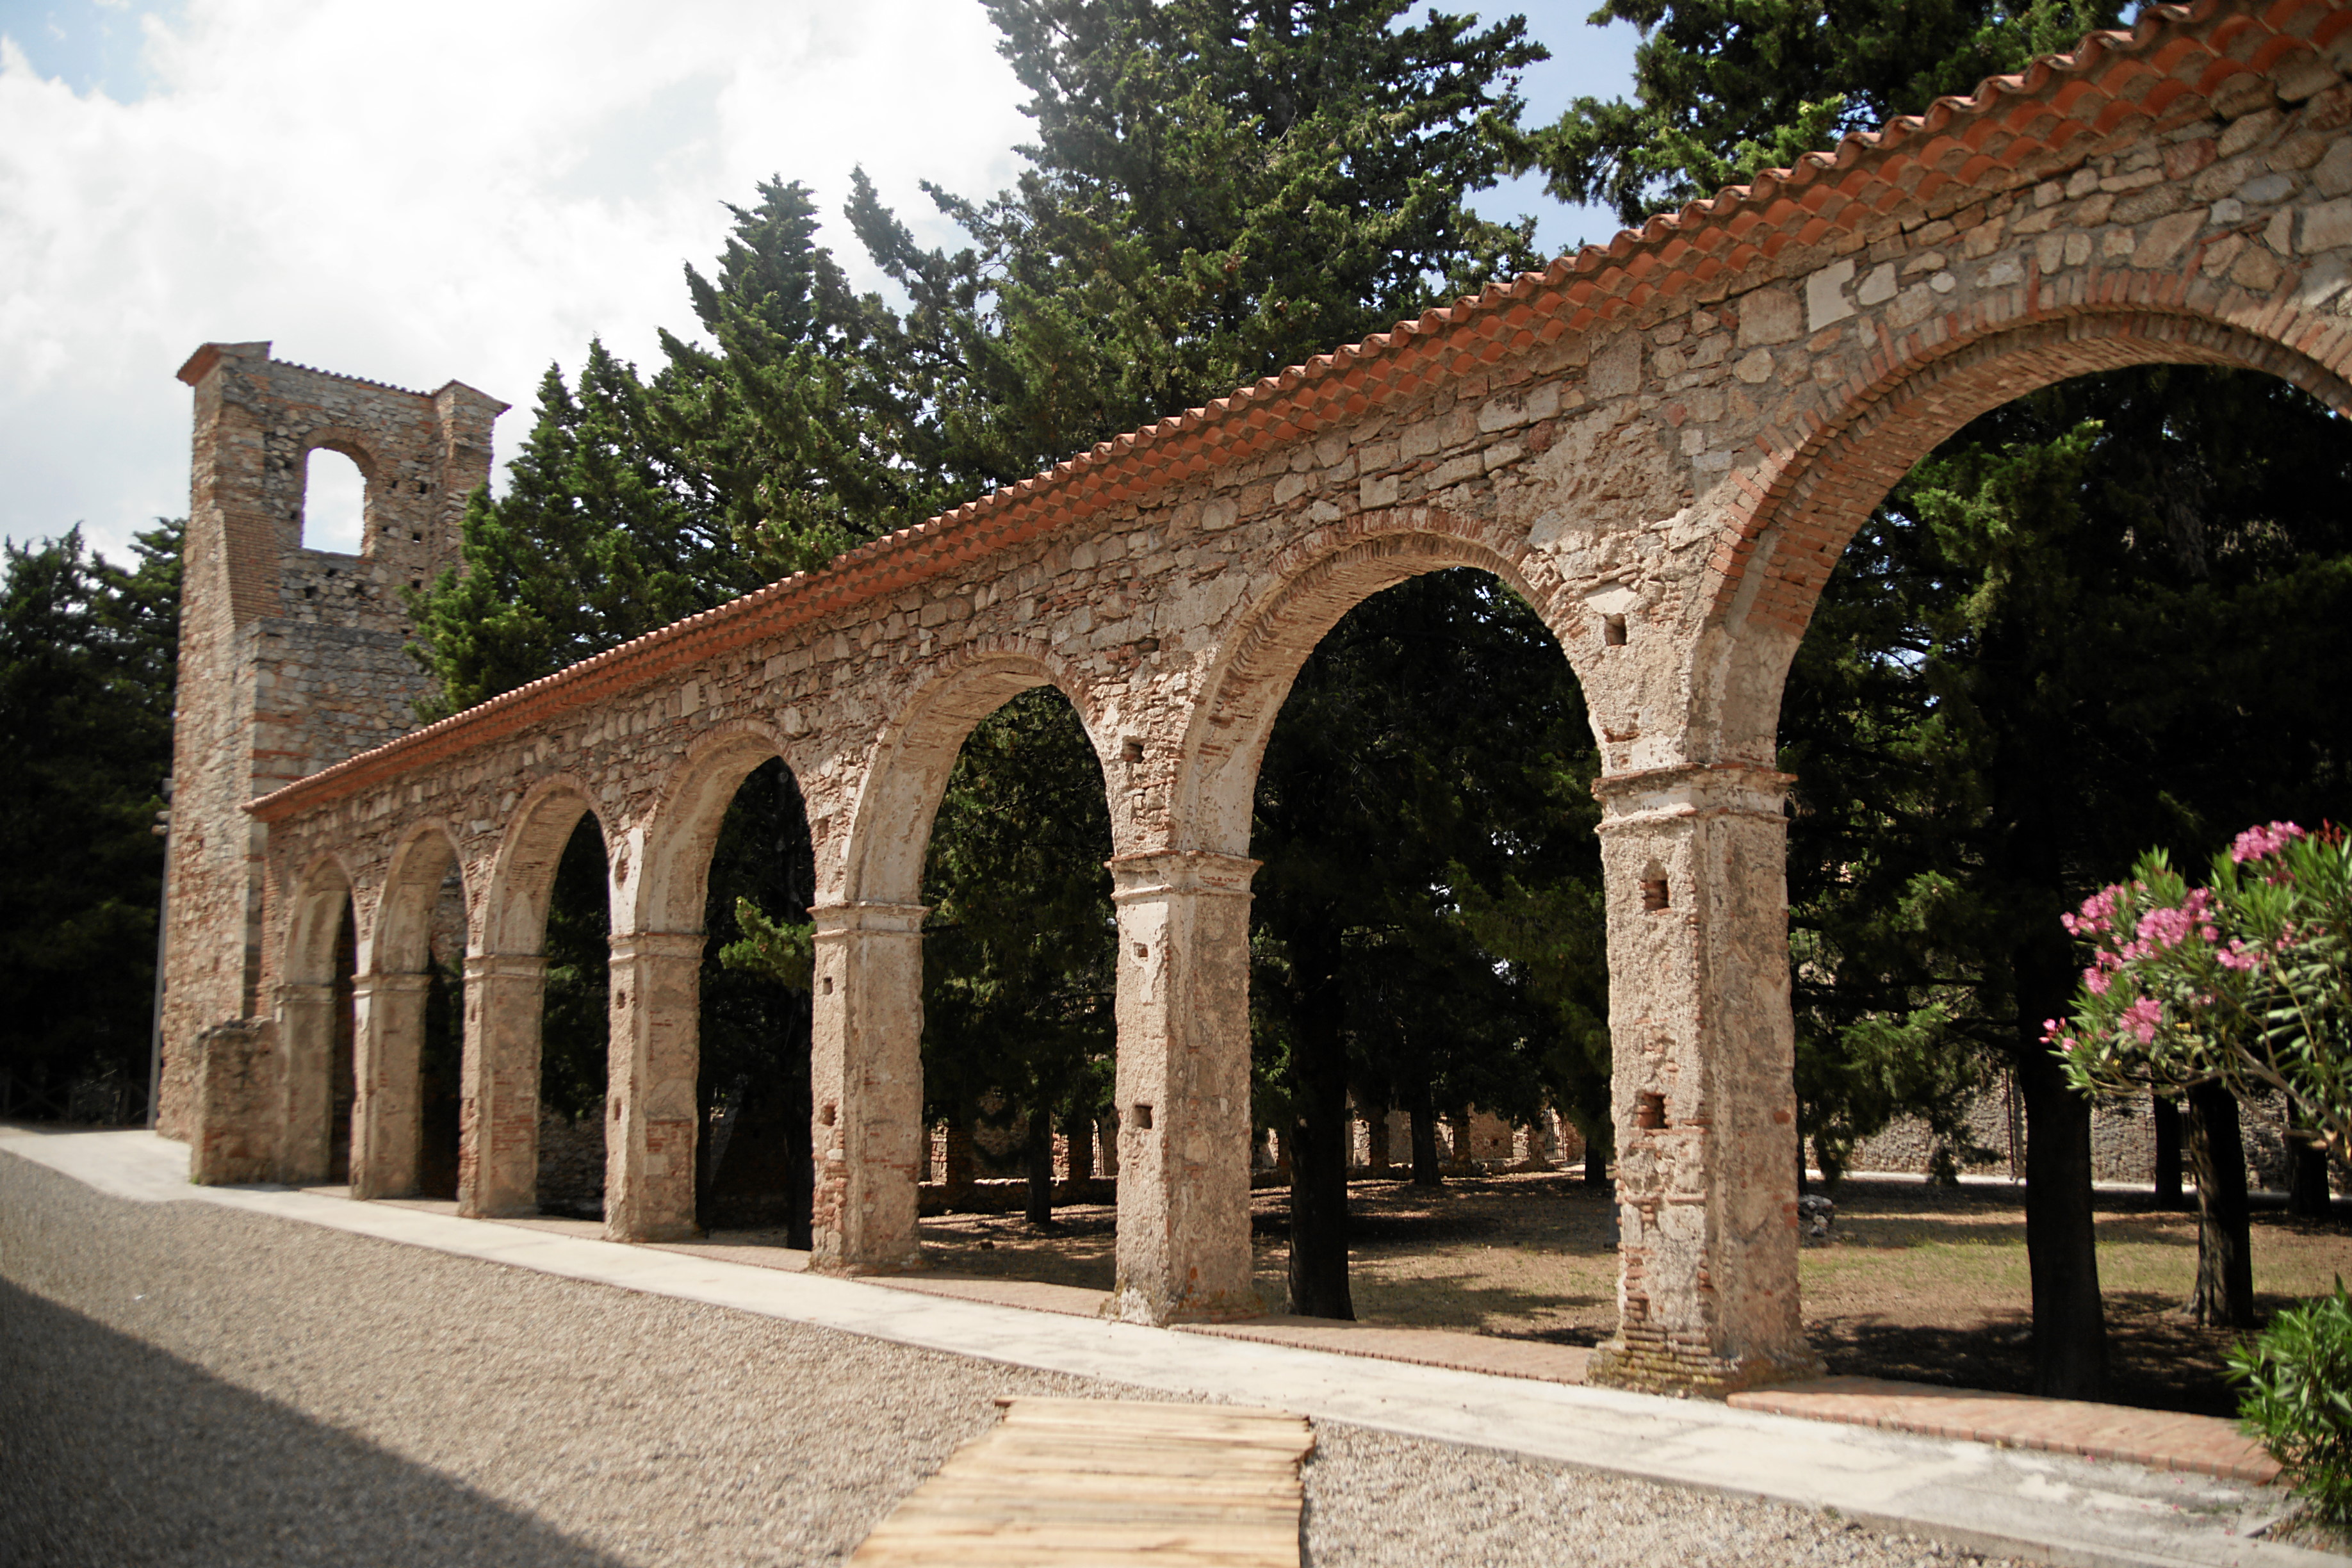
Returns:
point(290, 658)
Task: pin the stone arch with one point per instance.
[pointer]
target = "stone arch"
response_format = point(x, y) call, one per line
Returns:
point(522, 871)
point(1316, 583)
point(506, 978)
point(1776, 555)
point(890, 822)
point(310, 1019)
point(401, 941)
point(395, 985)
point(668, 887)
point(323, 892)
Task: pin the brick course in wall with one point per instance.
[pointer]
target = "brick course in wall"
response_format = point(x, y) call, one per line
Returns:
point(1661, 444)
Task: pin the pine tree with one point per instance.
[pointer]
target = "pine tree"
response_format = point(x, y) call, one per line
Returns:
point(88, 658)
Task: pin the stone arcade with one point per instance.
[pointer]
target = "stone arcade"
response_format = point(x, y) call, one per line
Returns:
point(1663, 445)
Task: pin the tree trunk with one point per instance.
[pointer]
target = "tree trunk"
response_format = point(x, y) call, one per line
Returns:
point(1376, 1140)
point(2070, 1329)
point(2166, 1116)
point(2224, 1298)
point(1458, 1133)
point(1425, 1169)
point(1317, 1146)
point(1039, 1148)
point(2307, 1186)
point(1596, 1161)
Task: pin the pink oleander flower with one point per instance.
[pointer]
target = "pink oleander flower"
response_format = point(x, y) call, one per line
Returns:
point(2257, 842)
point(2239, 956)
point(2141, 1019)
point(2097, 915)
point(2096, 979)
point(2165, 927)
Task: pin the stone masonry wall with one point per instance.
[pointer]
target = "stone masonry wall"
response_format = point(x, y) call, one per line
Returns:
point(1662, 445)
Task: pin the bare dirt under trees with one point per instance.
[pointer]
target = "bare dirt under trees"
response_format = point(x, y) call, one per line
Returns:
point(1918, 1282)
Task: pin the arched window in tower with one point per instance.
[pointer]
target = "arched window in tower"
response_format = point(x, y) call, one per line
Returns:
point(334, 502)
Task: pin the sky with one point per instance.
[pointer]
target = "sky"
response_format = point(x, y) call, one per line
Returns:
point(436, 191)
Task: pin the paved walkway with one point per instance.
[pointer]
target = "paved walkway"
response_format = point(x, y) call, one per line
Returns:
point(1984, 1498)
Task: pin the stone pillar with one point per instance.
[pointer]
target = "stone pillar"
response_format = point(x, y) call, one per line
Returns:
point(498, 1117)
point(1183, 1086)
point(866, 1074)
point(1702, 1091)
point(388, 1021)
point(649, 1104)
point(236, 1104)
point(305, 1032)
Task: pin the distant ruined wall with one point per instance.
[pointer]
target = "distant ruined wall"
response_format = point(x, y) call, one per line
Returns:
point(2122, 1144)
point(290, 658)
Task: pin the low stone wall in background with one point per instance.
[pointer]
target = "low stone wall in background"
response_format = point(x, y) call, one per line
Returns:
point(2122, 1144)
point(571, 1163)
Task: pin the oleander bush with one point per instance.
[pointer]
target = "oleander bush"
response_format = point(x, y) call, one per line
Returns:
point(2297, 1375)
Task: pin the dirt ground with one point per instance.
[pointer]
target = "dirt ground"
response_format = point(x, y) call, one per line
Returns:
point(1918, 1282)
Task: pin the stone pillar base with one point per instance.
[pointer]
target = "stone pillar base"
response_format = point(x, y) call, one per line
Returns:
point(237, 1126)
point(1650, 1360)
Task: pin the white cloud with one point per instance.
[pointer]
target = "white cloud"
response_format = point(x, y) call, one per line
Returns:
point(438, 190)
point(426, 192)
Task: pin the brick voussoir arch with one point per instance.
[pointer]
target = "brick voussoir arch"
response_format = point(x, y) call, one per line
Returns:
point(880, 854)
point(1945, 372)
point(1313, 583)
point(671, 884)
point(414, 872)
point(522, 867)
point(316, 911)
point(1771, 565)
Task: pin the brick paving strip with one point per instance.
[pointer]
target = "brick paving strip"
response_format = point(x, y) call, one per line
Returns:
point(2161, 1440)
point(1105, 1481)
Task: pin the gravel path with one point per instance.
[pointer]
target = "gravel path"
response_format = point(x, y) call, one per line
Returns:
point(185, 1384)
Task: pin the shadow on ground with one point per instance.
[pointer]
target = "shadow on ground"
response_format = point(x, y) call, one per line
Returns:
point(114, 1454)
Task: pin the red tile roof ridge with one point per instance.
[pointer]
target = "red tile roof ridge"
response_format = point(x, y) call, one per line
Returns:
point(1011, 512)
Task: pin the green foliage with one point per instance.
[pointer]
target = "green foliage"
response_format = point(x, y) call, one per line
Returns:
point(1430, 878)
point(2246, 980)
point(782, 952)
point(595, 543)
point(1723, 89)
point(2297, 1376)
point(575, 1019)
point(1219, 188)
point(87, 653)
point(803, 432)
point(2100, 617)
point(1021, 947)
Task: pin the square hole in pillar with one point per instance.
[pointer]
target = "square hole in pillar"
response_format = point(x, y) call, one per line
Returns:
point(1143, 1117)
point(1649, 1111)
point(1653, 895)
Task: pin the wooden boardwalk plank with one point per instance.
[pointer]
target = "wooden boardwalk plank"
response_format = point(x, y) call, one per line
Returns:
point(1060, 1482)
